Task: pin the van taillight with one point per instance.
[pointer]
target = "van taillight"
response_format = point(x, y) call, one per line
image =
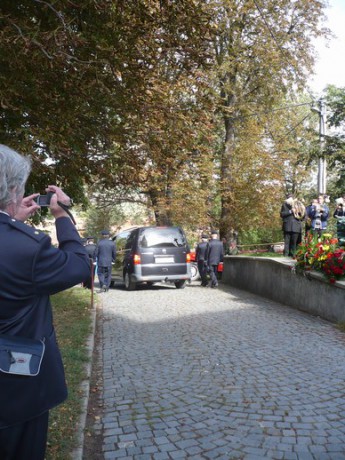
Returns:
point(136, 259)
point(188, 258)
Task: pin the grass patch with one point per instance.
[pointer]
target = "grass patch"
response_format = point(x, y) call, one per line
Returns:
point(72, 320)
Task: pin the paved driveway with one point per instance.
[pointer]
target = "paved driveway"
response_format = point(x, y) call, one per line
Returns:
point(216, 374)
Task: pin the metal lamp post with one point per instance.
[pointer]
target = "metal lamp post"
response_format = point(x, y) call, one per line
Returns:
point(322, 164)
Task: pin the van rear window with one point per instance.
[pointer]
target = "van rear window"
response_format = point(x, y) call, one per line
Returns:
point(162, 237)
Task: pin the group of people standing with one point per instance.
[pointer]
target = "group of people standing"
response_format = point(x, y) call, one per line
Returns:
point(209, 253)
point(315, 216)
point(102, 255)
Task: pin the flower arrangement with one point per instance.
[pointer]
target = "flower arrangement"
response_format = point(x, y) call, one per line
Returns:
point(323, 254)
point(334, 266)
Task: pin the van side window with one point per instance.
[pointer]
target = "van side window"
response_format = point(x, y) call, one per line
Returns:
point(121, 241)
point(130, 240)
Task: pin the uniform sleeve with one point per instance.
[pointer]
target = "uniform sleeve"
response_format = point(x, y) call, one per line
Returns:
point(57, 269)
point(207, 253)
point(285, 211)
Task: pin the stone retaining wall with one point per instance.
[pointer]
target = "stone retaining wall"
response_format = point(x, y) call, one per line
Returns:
point(275, 279)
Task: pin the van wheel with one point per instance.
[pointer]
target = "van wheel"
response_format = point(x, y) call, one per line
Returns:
point(180, 284)
point(194, 272)
point(129, 285)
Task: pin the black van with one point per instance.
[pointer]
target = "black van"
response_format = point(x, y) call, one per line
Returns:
point(151, 254)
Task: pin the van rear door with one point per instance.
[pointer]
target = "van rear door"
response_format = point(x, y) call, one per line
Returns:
point(163, 251)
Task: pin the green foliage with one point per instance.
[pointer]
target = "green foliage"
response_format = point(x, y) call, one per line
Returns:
point(106, 218)
point(335, 99)
point(263, 52)
point(260, 236)
point(159, 99)
point(335, 141)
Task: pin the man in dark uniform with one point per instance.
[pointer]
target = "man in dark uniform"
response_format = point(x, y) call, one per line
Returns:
point(91, 250)
point(200, 256)
point(292, 227)
point(215, 254)
point(31, 269)
point(106, 255)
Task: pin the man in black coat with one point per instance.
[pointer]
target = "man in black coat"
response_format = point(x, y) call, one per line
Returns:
point(200, 256)
point(106, 255)
point(31, 269)
point(292, 227)
point(215, 254)
point(90, 248)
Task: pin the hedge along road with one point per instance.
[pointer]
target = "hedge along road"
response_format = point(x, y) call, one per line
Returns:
point(219, 373)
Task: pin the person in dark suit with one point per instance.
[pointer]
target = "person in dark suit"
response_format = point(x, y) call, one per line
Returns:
point(215, 254)
point(91, 248)
point(200, 256)
point(292, 227)
point(31, 269)
point(106, 255)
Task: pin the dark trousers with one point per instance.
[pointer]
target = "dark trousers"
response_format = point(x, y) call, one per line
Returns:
point(203, 272)
point(25, 441)
point(213, 274)
point(290, 243)
point(104, 276)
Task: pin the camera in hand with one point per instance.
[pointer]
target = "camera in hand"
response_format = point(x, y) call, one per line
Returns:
point(44, 200)
point(318, 224)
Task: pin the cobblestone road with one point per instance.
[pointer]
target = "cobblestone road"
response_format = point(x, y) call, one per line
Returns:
point(217, 374)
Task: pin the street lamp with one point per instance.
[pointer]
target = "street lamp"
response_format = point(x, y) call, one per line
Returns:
point(322, 164)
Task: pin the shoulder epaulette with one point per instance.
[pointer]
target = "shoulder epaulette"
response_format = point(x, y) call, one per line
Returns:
point(29, 231)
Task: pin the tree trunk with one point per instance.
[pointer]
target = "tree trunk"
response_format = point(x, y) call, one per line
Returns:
point(227, 226)
point(160, 209)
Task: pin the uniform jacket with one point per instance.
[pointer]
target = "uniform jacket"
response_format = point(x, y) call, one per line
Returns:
point(290, 223)
point(200, 253)
point(215, 252)
point(91, 250)
point(30, 270)
point(105, 253)
point(339, 212)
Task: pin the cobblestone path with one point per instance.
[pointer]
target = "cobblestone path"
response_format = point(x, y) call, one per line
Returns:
point(216, 374)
